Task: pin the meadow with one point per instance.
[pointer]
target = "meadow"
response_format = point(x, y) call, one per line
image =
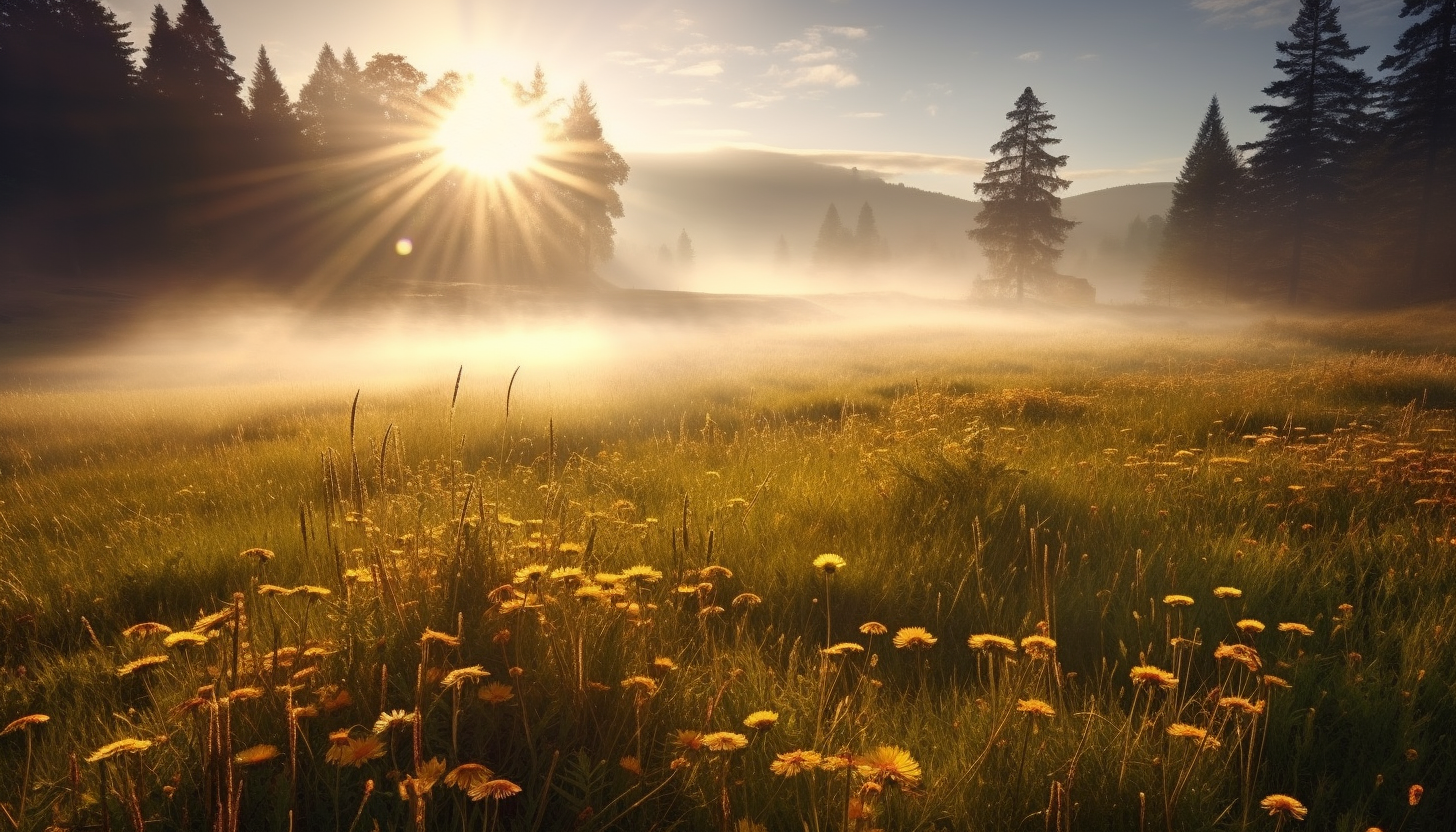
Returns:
point(938, 577)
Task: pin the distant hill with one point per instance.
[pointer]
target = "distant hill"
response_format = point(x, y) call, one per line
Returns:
point(735, 204)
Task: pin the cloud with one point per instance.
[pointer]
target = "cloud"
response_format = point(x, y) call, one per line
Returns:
point(932, 109)
point(1090, 56)
point(1031, 57)
point(820, 56)
point(824, 75)
point(706, 69)
point(883, 161)
point(678, 102)
point(1155, 167)
point(756, 101)
point(849, 32)
point(1260, 13)
point(864, 115)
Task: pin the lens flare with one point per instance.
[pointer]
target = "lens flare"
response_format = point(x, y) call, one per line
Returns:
point(404, 246)
point(490, 135)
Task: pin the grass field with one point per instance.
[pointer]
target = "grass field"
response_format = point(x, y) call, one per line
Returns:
point(1118, 578)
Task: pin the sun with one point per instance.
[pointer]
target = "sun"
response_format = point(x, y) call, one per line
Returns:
point(490, 135)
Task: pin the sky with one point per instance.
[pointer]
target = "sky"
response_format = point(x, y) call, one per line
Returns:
point(917, 89)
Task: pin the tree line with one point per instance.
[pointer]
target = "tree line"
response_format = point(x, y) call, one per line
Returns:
point(112, 166)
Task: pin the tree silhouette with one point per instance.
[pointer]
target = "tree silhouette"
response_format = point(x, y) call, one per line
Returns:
point(830, 245)
point(211, 83)
point(1196, 259)
point(321, 101)
point(867, 240)
point(1020, 227)
point(595, 169)
point(1297, 169)
point(685, 253)
point(274, 127)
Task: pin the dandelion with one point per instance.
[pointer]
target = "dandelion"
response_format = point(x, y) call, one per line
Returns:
point(642, 574)
point(1241, 704)
point(389, 719)
point(646, 685)
point(986, 642)
point(747, 599)
point(591, 592)
point(255, 755)
point(1035, 707)
point(273, 590)
point(257, 554)
point(914, 638)
point(208, 623)
point(144, 663)
point(1413, 796)
point(1284, 806)
point(709, 611)
point(243, 694)
point(304, 712)
point(724, 741)
point(1148, 675)
point(467, 776)
point(331, 699)
point(689, 740)
point(428, 774)
point(1251, 626)
point(890, 762)
point(184, 639)
point(569, 574)
point(495, 693)
point(715, 571)
point(836, 762)
point(1241, 653)
point(437, 637)
point(661, 666)
point(355, 752)
point(473, 673)
point(1177, 600)
point(829, 564)
point(311, 592)
point(794, 763)
point(873, 628)
point(532, 573)
point(1192, 732)
point(608, 578)
point(1039, 647)
point(1227, 592)
point(842, 648)
point(1276, 682)
point(1295, 627)
point(631, 765)
point(24, 723)
point(146, 628)
point(761, 720)
point(112, 749)
point(495, 790)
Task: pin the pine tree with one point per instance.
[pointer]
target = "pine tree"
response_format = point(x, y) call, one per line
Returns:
point(867, 240)
point(321, 101)
point(213, 86)
point(685, 253)
point(1298, 167)
point(1196, 258)
point(829, 246)
point(782, 257)
point(1420, 107)
point(162, 70)
point(1020, 227)
point(270, 114)
point(594, 170)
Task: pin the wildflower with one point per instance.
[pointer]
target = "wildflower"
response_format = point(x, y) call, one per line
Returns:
point(429, 774)
point(761, 720)
point(642, 574)
point(184, 639)
point(842, 648)
point(532, 573)
point(661, 666)
point(1241, 653)
point(1241, 704)
point(311, 592)
point(591, 592)
point(437, 637)
point(1275, 681)
point(689, 740)
point(111, 749)
point(1035, 707)
point(146, 628)
point(1177, 600)
point(24, 723)
point(467, 776)
point(873, 628)
point(331, 699)
point(473, 673)
point(363, 576)
point(747, 599)
point(1250, 625)
point(794, 763)
point(890, 762)
point(707, 611)
point(716, 571)
point(1146, 674)
point(273, 590)
point(354, 752)
point(724, 741)
point(679, 762)
point(1039, 647)
point(260, 555)
point(495, 693)
point(829, 564)
point(1413, 796)
point(608, 578)
point(245, 693)
point(389, 719)
point(1192, 732)
point(1283, 804)
point(570, 574)
point(1295, 627)
point(645, 684)
point(1227, 592)
point(836, 762)
point(495, 790)
point(144, 663)
point(986, 641)
point(631, 765)
point(304, 712)
point(255, 755)
point(914, 638)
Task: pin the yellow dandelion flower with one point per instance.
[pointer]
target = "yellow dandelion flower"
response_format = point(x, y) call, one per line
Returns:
point(24, 723)
point(304, 712)
point(747, 599)
point(255, 755)
point(1039, 647)
point(429, 774)
point(1227, 592)
point(591, 592)
point(1295, 627)
point(570, 574)
point(311, 592)
point(533, 572)
point(273, 590)
point(794, 763)
point(708, 611)
point(761, 720)
point(146, 628)
point(355, 752)
point(890, 762)
point(914, 638)
point(1035, 707)
point(986, 642)
point(631, 765)
point(112, 749)
point(1252, 626)
point(724, 741)
point(1276, 682)
point(1241, 704)
point(334, 699)
point(1177, 600)
point(608, 578)
point(689, 740)
point(836, 762)
point(1241, 653)
point(661, 666)
point(829, 564)
point(645, 684)
point(467, 776)
point(144, 663)
point(1283, 804)
point(642, 574)
point(494, 790)
point(873, 628)
point(716, 571)
point(1148, 675)
point(473, 673)
point(495, 693)
point(259, 554)
point(184, 639)
point(1192, 732)
point(842, 648)
point(389, 719)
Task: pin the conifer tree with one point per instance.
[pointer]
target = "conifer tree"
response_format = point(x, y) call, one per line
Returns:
point(1020, 227)
point(833, 236)
point(595, 169)
point(782, 257)
point(1297, 169)
point(685, 253)
point(270, 114)
point(1419, 104)
point(321, 101)
point(213, 86)
point(163, 72)
point(867, 240)
point(1196, 258)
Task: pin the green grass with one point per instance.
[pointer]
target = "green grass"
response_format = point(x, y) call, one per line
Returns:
point(974, 482)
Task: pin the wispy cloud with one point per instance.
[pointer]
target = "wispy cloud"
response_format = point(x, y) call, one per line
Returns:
point(758, 101)
point(1030, 57)
point(706, 69)
point(1260, 13)
point(824, 75)
point(882, 161)
point(1155, 167)
point(678, 102)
